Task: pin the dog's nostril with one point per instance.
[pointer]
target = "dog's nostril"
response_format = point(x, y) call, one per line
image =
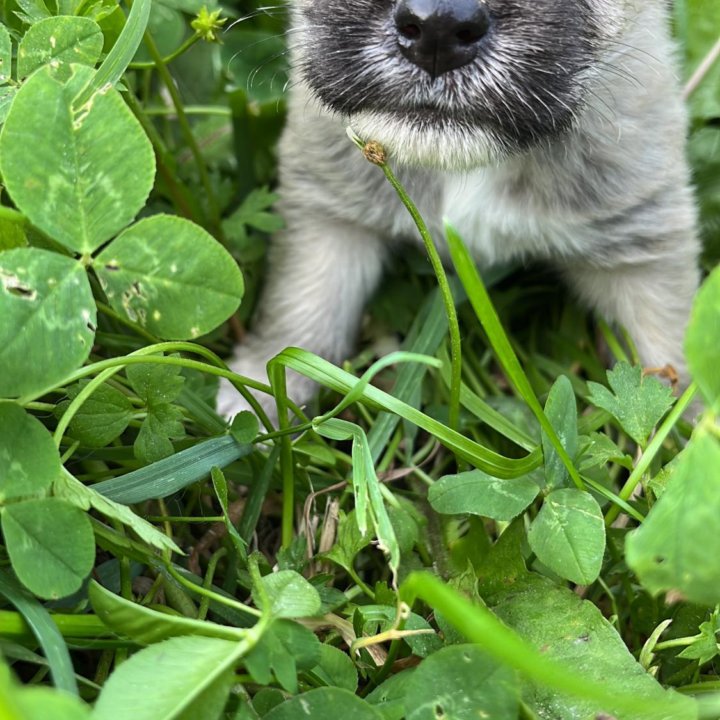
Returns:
point(410, 31)
point(470, 35)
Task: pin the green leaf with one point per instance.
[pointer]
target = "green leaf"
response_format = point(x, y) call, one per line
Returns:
point(45, 630)
point(50, 544)
point(638, 403)
point(171, 277)
point(7, 95)
point(463, 683)
point(60, 168)
point(673, 549)
point(171, 677)
point(33, 10)
point(244, 427)
point(29, 460)
point(59, 39)
point(174, 473)
point(69, 488)
point(478, 493)
point(598, 449)
point(701, 340)
point(41, 703)
point(103, 417)
point(253, 213)
point(48, 319)
point(5, 55)
point(349, 542)
point(324, 704)
point(162, 424)
point(568, 535)
point(146, 626)
point(573, 634)
point(706, 646)
point(561, 411)
point(336, 669)
point(291, 595)
point(220, 487)
point(155, 383)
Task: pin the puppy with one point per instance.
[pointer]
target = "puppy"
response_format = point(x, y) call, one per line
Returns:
point(550, 129)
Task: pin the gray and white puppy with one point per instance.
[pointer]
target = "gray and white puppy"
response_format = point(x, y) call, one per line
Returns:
point(550, 129)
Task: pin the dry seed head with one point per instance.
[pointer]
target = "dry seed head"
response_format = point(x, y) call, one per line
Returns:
point(375, 153)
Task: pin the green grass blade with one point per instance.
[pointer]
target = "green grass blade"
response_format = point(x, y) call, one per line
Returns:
point(167, 476)
point(333, 377)
point(45, 630)
point(486, 314)
point(123, 51)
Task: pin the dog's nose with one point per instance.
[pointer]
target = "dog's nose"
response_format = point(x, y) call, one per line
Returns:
point(440, 35)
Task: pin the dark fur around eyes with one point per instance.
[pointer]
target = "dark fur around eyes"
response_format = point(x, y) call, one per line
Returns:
point(527, 83)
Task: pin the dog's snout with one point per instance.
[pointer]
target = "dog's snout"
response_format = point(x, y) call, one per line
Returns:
point(440, 35)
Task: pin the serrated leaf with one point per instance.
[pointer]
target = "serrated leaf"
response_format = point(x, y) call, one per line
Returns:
point(171, 277)
point(463, 683)
point(478, 493)
point(638, 403)
point(349, 542)
point(59, 167)
point(69, 488)
point(162, 424)
point(673, 548)
point(568, 535)
point(50, 544)
point(155, 383)
point(101, 418)
point(701, 339)
point(598, 449)
point(48, 319)
point(170, 677)
point(561, 411)
point(29, 460)
point(291, 595)
point(59, 39)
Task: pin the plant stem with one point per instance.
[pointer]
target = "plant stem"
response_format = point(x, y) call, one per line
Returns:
point(169, 58)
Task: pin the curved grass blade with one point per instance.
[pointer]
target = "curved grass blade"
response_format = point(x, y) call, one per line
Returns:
point(46, 632)
point(167, 476)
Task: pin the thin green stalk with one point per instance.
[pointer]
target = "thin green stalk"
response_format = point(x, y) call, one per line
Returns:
point(168, 58)
point(207, 582)
point(186, 130)
point(651, 451)
point(376, 155)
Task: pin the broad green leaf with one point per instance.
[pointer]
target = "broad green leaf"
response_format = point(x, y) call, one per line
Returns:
point(561, 411)
point(103, 417)
point(285, 649)
point(336, 669)
point(61, 168)
point(146, 626)
point(463, 683)
point(12, 234)
point(7, 95)
point(701, 340)
point(59, 39)
point(48, 319)
point(390, 697)
point(478, 493)
point(171, 277)
point(29, 460)
point(568, 535)
point(170, 677)
point(69, 488)
point(50, 544)
point(162, 424)
point(324, 703)
point(676, 547)
point(5, 55)
point(244, 427)
point(573, 634)
point(291, 595)
point(41, 703)
point(638, 403)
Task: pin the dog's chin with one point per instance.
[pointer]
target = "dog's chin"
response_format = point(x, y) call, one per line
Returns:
point(422, 140)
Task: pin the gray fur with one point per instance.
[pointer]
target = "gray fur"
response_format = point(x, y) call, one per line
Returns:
point(563, 140)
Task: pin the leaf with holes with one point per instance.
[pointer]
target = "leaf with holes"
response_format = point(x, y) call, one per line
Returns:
point(29, 460)
point(568, 535)
point(48, 319)
point(61, 168)
point(461, 682)
point(50, 544)
point(59, 39)
point(171, 277)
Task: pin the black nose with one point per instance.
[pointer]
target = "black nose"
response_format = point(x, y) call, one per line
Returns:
point(440, 35)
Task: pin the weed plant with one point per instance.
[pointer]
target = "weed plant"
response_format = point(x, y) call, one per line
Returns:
point(475, 518)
